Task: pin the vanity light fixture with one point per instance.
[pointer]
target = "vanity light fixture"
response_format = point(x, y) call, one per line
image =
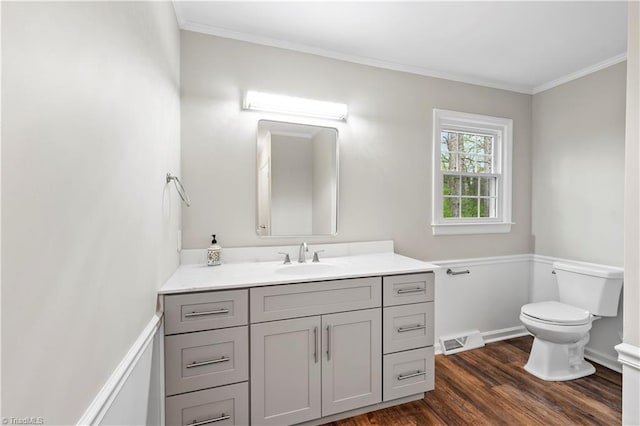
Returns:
point(297, 106)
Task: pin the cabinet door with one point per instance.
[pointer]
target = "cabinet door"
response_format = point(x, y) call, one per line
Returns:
point(351, 360)
point(285, 371)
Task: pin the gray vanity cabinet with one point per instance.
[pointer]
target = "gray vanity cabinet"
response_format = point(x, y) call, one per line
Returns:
point(305, 352)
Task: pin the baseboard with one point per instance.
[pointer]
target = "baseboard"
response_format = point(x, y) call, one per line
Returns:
point(109, 392)
point(603, 359)
point(504, 334)
point(492, 336)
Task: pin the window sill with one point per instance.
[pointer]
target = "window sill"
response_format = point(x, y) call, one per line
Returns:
point(471, 228)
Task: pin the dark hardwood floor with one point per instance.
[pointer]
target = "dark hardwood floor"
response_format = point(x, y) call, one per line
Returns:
point(489, 386)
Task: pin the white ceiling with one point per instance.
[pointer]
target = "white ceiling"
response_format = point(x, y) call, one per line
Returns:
point(522, 46)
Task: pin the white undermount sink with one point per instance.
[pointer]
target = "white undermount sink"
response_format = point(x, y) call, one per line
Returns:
point(307, 268)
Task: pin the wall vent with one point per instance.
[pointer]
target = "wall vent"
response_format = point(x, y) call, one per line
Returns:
point(461, 342)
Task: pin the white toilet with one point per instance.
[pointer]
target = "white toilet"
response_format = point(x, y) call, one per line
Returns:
point(561, 328)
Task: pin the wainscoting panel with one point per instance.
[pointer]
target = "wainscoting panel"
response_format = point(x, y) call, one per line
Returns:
point(488, 298)
point(134, 393)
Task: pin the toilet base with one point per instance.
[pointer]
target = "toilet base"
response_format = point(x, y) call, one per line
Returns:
point(558, 362)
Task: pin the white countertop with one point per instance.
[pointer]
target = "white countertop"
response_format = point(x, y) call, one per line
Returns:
point(200, 277)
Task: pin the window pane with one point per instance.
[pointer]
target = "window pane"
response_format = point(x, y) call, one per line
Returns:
point(478, 164)
point(445, 161)
point(484, 186)
point(488, 186)
point(449, 141)
point(450, 185)
point(469, 185)
point(485, 208)
point(485, 145)
point(468, 144)
point(451, 207)
point(449, 162)
point(469, 207)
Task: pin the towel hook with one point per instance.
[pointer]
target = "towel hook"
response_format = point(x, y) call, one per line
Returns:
point(452, 272)
point(180, 188)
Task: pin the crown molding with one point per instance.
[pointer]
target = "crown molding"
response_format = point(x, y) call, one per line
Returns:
point(199, 27)
point(362, 60)
point(580, 73)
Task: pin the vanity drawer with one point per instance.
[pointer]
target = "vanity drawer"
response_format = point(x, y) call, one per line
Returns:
point(407, 327)
point(307, 299)
point(227, 405)
point(407, 373)
point(206, 359)
point(403, 289)
point(205, 311)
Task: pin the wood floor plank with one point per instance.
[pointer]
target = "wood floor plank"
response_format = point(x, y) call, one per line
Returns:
point(489, 386)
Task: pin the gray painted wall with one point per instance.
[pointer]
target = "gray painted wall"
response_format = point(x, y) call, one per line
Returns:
point(385, 147)
point(578, 168)
point(90, 126)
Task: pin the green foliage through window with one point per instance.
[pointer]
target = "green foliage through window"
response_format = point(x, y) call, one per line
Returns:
point(466, 192)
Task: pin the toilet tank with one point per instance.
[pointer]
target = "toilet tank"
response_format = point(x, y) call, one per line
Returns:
point(592, 287)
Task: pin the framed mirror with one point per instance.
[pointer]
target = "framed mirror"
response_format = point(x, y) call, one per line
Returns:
point(297, 172)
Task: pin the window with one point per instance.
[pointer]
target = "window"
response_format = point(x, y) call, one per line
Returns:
point(471, 173)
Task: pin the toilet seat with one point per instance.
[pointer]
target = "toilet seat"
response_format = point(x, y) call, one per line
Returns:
point(556, 313)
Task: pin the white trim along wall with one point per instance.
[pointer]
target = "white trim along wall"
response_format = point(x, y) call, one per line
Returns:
point(487, 299)
point(134, 393)
point(629, 357)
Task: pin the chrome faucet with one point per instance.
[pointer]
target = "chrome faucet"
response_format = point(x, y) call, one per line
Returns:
point(301, 254)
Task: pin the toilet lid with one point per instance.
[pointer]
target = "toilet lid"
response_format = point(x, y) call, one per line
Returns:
point(556, 312)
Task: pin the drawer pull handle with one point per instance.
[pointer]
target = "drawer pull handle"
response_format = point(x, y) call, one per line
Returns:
point(411, 328)
point(200, 314)
point(410, 375)
point(410, 290)
point(213, 361)
point(208, 421)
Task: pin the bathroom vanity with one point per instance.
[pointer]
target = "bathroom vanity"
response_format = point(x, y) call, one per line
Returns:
point(266, 343)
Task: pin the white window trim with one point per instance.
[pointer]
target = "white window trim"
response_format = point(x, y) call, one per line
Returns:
point(503, 127)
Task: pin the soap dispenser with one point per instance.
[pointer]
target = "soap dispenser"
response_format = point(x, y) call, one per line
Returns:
point(213, 253)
